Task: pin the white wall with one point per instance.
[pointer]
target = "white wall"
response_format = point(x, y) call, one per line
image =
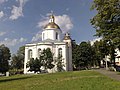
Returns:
point(69, 54)
point(51, 34)
point(54, 48)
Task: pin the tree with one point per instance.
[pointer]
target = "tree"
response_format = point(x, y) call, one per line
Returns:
point(85, 54)
point(82, 55)
point(17, 62)
point(34, 65)
point(18, 59)
point(107, 22)
point(21, 51)
point(101, 49)
point(4, 58)
point(47, 58)
point(59, 63)
point(75, 54)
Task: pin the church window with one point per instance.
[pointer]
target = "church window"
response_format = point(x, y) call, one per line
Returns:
point(39, 52)
point(60, 52)
point(30, 54)
point(56, 35)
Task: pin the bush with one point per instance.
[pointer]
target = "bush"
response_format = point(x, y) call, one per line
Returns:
point(14, 72)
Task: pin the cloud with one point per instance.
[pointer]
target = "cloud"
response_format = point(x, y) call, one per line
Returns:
point(12, 42)
point(1, 14)
point(94, 40)
point(17, 12)
point(2, 33)
point(2, 1)
point(64, 21)
point(37, 36)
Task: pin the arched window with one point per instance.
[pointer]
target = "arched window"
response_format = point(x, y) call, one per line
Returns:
point(60, 52)
point(30, 54)
point(56, 35)
point(39, 52)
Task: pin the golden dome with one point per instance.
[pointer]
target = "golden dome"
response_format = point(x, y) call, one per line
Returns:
point(52, 24)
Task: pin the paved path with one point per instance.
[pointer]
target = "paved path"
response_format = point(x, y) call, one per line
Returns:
point(111, 74)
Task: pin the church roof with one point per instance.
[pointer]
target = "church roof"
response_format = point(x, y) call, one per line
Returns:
point(51, 41)
point(47, 41)
point(52, 24)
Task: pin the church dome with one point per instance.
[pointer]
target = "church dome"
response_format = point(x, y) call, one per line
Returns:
point(52, 24)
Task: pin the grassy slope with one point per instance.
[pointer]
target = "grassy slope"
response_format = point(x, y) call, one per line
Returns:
point(82, 80)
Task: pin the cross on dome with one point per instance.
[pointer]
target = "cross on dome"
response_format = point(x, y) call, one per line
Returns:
point(52, 18)
point(52, 24)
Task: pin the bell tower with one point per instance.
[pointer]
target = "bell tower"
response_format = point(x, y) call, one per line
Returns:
point(68, 41)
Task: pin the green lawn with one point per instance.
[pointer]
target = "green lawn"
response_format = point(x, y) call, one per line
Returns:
point(80, 80)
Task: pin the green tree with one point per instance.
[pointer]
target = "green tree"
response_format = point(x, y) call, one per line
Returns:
point(4, 58)
point(18, 59)
point(101, 49)
point(85, 54)
point(59, 63)
point(107, 22)
point(47, 58)
point(17, 62)
point(75, 54)
point(21, 51)
point(34, 65)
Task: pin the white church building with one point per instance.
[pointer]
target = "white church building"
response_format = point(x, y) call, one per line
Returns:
point(51, 38)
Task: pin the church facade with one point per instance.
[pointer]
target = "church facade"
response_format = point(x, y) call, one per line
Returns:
point(51, 38)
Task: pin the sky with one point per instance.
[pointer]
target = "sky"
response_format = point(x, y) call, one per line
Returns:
point(22, 21)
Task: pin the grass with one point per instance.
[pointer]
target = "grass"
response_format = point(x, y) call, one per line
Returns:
point(79, 80)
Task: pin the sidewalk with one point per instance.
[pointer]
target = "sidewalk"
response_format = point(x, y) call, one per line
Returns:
point(110, 74)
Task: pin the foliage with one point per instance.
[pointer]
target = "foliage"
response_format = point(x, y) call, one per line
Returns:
point(4, 58)
point(34, 65)
point(83, 80)
point(15, 71)
point(59, 63)
point(21, 51)
point(75, 54)
point(82, 55)
point(107, 19)
point(85, 54)
point(17, 62)
point(101, 49)
point(18, 59)
point(47, 58)
point(107, 22)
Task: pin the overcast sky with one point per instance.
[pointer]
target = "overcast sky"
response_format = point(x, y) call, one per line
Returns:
point(21, 21)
